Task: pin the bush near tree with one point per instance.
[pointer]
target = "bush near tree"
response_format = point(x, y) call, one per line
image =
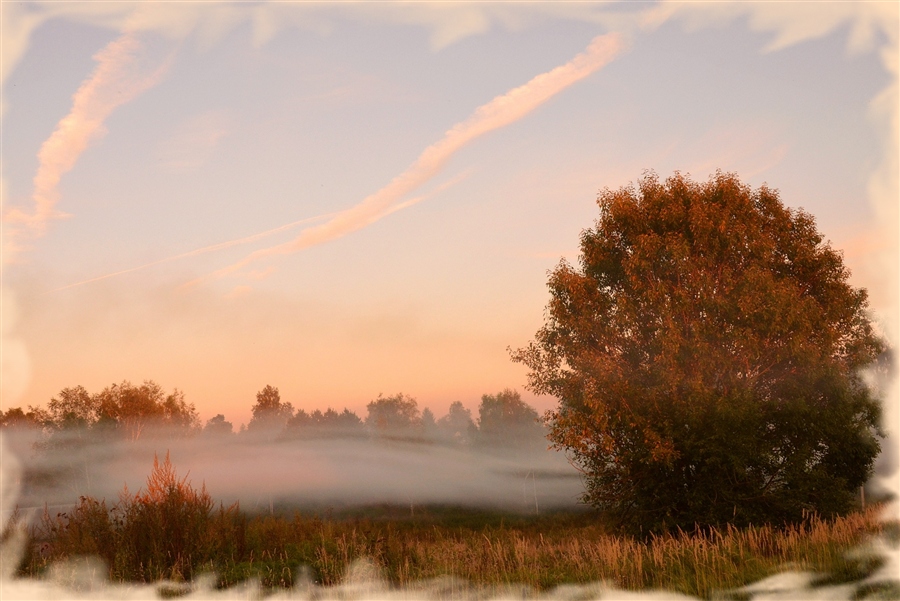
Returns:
point(708, 354)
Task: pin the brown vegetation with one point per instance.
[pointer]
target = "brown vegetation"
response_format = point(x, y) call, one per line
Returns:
point(708, 353)
point(171, 530)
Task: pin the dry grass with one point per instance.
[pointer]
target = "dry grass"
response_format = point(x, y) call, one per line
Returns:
point(486, 549)
point(694, 563)
point(173, 531)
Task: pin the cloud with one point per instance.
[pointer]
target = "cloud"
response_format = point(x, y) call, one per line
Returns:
point(193, 142)
point(499, 112)
point(749, 148)
point(200, 251)
point(116, 80)
point(16, 26)
point(239, 291)
point(793, 22)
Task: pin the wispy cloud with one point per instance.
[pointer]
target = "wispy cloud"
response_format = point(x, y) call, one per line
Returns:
point(263, 273)
point(200, 251)
point(117, 79)
point(499, 112)
point(750, 148)
point(193, 142)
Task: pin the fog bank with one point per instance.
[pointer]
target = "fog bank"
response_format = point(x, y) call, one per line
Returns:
point(260, 473)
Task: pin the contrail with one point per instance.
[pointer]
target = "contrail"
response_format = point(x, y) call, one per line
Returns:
point(200, 251)
point(497, 113)
point(255, 237)
point(115, 81)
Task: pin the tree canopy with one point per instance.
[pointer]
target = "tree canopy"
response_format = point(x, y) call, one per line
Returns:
point(76, 416)
point(218, 426)
point(131, 409)
point(327, 424)
point(707, 354)
point(505, 419)
point(270, 413)
point(394, 415)
point(457, 426)
point(120, 409)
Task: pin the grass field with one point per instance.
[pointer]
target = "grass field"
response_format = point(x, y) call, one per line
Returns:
point(481, 547)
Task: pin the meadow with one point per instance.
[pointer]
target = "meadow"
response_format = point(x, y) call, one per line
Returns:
point(170, 530)
point(300, 514)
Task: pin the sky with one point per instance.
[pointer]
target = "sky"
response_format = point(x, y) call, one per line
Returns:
point(347, 200)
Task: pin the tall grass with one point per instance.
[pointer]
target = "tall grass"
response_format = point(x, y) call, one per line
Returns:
point(170, 530)
point(165, 531)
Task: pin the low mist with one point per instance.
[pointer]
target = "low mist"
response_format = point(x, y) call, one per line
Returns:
point(320, 473)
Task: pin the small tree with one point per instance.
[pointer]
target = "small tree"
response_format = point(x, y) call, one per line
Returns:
point(429, 424)
point(218, 426)
point(346, 420)
point(329, 424)
point(131, 410)
point(72, 408)
point(505, 419)
point(269, 412)
point(178, 414)
point(393, 415)
point(457, 426)
point(707, 355)
point(16, 417)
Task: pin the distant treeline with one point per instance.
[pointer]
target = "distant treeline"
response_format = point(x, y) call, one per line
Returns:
point(126, 411)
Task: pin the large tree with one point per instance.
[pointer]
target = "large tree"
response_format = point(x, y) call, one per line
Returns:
point(708, 355)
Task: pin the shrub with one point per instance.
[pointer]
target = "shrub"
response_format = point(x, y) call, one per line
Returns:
point(168, 530)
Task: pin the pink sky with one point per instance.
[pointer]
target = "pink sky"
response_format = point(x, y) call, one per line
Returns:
point(343, 201)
